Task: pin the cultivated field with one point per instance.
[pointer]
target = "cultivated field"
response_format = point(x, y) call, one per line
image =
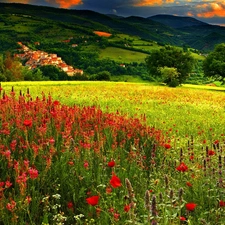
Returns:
point(111, 153)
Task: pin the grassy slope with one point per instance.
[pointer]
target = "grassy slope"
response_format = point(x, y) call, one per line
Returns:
point(122, 55)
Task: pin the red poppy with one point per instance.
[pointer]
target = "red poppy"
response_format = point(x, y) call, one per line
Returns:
point(167, 146)
point(190, 206)
point(111, 163)
point(70, 205)
point(127, 208)
point(93, 200)
point(27, 123)
point(222, 203)
point(182, 167)
point(86, 164)
point(211, 152)
point(115, 181)
point(182, 218)
point(189, 184)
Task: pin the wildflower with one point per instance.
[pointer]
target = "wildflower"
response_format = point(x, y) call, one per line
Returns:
point(70, 205)
point(211, 152)
point(189, 184)
point(11, 206)
point(28, 199)
point(167, 146)
point(93, 200)
point(115, 181)
point(8, 184)
point(182, 167)
point(86, 164)
point(111, 163)
point(33, 173)
point(190, 206)
point(27, 123)
point(108, 190)
point(116, 216)
point(221, 203)
point(182, 218)
point(126, 208)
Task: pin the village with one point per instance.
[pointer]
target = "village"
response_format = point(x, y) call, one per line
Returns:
point(41, 58)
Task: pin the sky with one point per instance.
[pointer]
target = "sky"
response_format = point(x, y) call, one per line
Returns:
point(211, 11)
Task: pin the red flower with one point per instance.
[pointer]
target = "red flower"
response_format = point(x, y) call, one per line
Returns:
point(27, 123)
point(93, 200)
point(167, 146)
point(190, 206)
point(211, 152)
point(182, 167)
point(182, 218)
point(126, 208)
point(222, 203)
point(33, 173)
point(189, 184)
point(108, 190)
point(86, 164)
point(70, 205)
point(115, 181)
point(111, 163)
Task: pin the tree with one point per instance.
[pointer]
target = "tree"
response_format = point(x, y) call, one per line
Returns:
point(53, 72)
point(214, 64)
point(171, 57)
point(170, 75)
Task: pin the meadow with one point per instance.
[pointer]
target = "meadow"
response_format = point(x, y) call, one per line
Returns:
point(111, 153)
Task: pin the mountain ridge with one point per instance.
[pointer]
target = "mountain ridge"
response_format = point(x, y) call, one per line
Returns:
point(164, 29)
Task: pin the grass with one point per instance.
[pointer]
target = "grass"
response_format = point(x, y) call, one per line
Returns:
point(112, 153)
point(122, 55)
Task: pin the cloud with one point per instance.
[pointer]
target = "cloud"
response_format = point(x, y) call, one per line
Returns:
point(213, 9)
point(152, 2)
point(65, 3)
point(190, 14)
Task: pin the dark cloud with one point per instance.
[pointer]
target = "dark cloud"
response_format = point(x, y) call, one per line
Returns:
point(203, 10)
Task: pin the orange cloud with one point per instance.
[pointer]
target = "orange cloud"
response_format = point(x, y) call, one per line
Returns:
point(214, 9)
point(148, 2)
point(152, 2)
point(190, 14)
point(66, 3)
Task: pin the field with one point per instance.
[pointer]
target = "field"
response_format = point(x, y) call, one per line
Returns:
point(122, 55)
point(111, 153)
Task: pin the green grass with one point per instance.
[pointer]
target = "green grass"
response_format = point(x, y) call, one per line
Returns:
point(190, 120)
point(122, 55)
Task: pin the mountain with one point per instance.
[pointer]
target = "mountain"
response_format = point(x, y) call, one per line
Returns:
point(28, 22)
point(177, 21)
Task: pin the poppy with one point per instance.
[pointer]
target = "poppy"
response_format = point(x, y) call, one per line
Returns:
point(182, 167)
point(27, 123)
point(167, 146)
point(126, 208)
point(211, 152)
point(93, 200)
point(189, 184)
point(182, 218)
point(222, 203)
point(70, 205)
point(115, 181)
point(190, 206)
point(111, 163)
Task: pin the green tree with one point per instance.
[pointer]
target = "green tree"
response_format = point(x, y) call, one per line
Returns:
point(171, 57)
point(53, 73)
point(170, 76)
point(214, 64)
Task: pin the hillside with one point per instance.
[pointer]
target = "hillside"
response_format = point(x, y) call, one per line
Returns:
point(163, 29)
